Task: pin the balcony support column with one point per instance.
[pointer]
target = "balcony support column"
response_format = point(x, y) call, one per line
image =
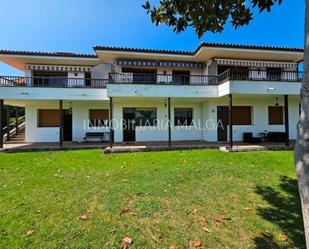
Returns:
point(169, 122)
point(1, 122)
point(286, 120)
point(16, 120)
point(8, 128)
point(60, 123)
point(111, 131)
point(231, 120)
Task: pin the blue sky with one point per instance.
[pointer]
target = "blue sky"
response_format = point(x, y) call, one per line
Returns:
point(78, 25)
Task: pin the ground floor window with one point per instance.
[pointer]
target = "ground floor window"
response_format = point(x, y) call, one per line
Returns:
point(48, 118)
point(275, 115)
point(145, 116)
point(183, 116)
point(98, 117)
point(242, 115)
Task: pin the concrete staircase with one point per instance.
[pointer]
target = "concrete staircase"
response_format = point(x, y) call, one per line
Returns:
point(17, 139)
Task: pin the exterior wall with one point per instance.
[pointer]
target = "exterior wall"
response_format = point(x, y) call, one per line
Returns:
point(259, 117)
point(142, 133)
point(35, 133)
point(101, 71)
point(160, 132)
point(204, 116)
point(80, 116)
point(76, 75)
point(44, 93)
point(141, 90)
point(181, 133)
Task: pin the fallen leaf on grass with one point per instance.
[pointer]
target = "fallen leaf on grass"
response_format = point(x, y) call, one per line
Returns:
point(226, 218)
point(205, 218)
point(29, 232)
point(196, 243)
point(125, 242)
point(124, 210)
point(221, 218)
point(174, 247)
point(83, 217)
point(206, 229)
point(283, 236)
point(157, 222)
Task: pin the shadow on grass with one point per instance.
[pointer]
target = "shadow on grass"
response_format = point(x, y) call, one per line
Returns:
point(283, 210)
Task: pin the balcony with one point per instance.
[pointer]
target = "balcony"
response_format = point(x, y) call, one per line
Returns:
point(152, 79)
point(162, 79)
point(51, 82)
point(260, 75)
point(202, 80)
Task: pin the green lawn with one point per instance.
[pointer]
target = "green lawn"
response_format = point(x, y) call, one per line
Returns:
point(159, 200)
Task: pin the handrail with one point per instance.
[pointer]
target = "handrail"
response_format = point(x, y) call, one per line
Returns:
point(59, 82)
point(162, 79)
point(261, 75)
point(8, 127)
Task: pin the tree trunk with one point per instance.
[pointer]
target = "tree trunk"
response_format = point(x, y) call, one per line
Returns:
point(302, 141)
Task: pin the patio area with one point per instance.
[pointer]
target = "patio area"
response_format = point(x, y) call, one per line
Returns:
point(22, 146)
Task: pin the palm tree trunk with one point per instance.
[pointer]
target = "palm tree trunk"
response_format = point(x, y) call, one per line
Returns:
point(302, 141)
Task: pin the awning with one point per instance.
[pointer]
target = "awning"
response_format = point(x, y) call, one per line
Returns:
point(140, 63)
point(249, 63)
point(59, 68)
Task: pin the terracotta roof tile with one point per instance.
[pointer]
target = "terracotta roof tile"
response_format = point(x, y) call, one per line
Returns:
point(143, 50)
point(59, 54)
point(203, 44)
point(258, 47)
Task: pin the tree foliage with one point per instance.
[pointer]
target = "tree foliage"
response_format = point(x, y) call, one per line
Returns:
point(205, 15)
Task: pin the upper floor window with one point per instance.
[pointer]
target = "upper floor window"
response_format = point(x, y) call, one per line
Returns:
point(273, 73)
point(181, 77)
point(46, 78)
point(235, 71)
point(88, 78)
point(142, 76)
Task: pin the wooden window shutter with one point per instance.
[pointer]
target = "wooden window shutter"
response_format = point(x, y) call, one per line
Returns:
point(99, 114)
point(242, 115)
point(275, 115)
point(48, 118)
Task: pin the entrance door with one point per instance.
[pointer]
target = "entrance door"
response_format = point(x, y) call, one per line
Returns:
point(222, 121)
point(128, 124)
point(67, 125)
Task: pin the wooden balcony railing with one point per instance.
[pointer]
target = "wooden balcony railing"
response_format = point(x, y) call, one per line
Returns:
point(57, 82)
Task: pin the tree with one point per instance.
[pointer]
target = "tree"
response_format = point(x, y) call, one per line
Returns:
point(212, 16)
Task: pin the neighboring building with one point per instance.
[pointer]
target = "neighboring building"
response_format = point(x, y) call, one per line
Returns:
point(149, 87)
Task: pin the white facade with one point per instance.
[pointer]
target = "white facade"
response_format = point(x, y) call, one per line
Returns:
point(204, 117)
point(201, 95)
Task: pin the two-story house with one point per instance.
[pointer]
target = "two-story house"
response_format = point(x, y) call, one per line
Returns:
point(219, 92)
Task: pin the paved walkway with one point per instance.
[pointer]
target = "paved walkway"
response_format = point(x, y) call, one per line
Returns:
point(142, 146)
